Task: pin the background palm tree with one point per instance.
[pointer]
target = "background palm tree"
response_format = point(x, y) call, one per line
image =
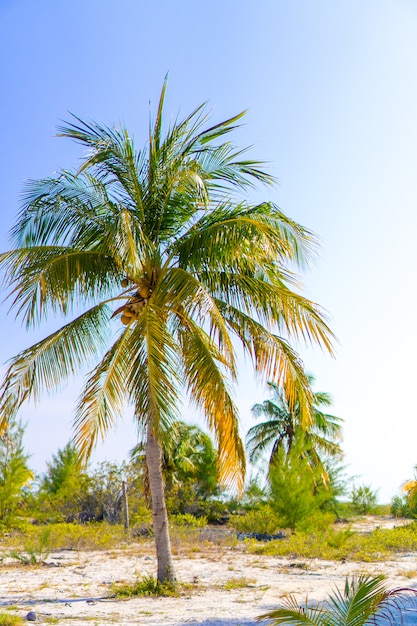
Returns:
point(284, 426)
point(365, 600)
point(161, 266)
point(189, 464)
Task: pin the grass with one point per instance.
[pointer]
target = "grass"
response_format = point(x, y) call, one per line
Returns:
point(238, 583)
point(146, 586)
point(337, 545)
point(6, 619)
point(32, 544)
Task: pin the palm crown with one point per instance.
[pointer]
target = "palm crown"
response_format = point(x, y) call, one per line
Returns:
point(283, 427)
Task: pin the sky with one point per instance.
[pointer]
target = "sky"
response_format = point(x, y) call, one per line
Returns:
point(331, 94)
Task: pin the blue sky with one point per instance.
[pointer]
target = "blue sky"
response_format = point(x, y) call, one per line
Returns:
point(331, 93)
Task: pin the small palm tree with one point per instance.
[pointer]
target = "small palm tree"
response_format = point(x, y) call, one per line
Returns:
point(364, 601)
point(284, 426)
point(158, 267)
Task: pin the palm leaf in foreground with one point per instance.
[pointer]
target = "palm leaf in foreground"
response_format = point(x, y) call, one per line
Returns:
point(364, 601)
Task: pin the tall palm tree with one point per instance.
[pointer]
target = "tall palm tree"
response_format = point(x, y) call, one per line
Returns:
point(365, 600)
point(160, 266)
point(284, 425)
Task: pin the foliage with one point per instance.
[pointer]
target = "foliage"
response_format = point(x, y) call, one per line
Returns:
point(64, 486)
point(69, 493)
point(156, 266)
point(410, 494)
point(146, 586)
point(364, 499)
point(343, 544)
point(6, 619)
point(400, 507)
point(40, 540)
point(285, 426)
point(190, 469)
point(363, 599)
point(254, 495)
point(15, 474)
point(295, 492)
point(188, 520)
point(262, 520)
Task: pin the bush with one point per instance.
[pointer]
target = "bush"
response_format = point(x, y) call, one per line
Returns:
point(400, 507)
point(364, 499)
point(188, 520)
point(263, 521)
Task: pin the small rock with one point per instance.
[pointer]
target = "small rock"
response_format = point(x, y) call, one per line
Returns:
point(31, 616)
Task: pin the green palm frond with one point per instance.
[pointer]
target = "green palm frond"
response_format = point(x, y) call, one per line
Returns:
point(364, 600)
point(186, 298)
point(104, 396)
point(272, 358)
point(209, 392)
point(68, 206)
point(155, 372)
point(53, 359)
point(263, 436)
point(50, 278)
point(262, 231)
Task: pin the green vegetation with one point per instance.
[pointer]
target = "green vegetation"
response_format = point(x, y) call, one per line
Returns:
point(284, 427)
point(15, 474)
point(364, 499)
point(146, 586)
point(362, 601)
point(341, 544)
point(6, 619)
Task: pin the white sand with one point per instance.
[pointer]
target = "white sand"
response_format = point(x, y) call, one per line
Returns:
point(75, 586)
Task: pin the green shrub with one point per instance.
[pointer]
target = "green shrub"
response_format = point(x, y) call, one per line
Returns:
point(364, 499)
point(319, 521)
point(188, 520)
point(262, 520)
point(336, 545)
point(40, 540)
point(400, 507)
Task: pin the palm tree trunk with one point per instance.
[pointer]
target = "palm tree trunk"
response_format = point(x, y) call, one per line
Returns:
point(159, 510)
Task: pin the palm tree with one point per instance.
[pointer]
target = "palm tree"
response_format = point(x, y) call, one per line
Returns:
point(284, 426)
point(365, 600)
point(188, 458)
point(160, 266)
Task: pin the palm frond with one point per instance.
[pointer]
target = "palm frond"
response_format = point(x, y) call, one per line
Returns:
point(273, 359)
point(184, 296)
point(55, 210)
point(364, 600)
point(155, 372)
point(208, 390)
point(50, 361)
point(104, 396)
point(261, 232)
point(51, 278)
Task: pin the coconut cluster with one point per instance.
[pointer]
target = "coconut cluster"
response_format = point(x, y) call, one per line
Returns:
point(135, 304)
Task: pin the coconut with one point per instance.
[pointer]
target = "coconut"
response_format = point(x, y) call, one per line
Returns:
point(144, 289)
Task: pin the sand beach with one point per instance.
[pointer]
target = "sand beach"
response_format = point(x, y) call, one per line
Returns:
point(225, 586)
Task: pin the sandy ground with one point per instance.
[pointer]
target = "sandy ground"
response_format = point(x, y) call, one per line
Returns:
point(74, 587)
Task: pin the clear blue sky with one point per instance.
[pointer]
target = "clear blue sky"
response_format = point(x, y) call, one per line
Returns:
point(331, 91)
